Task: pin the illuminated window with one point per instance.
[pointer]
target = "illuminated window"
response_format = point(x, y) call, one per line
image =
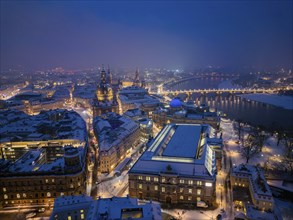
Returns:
point(156, 188)
point(140, 186)
point(47, 180)
point(163, 179)
point(4, 189)
point(53, 180)
point(62, 194)
point(78, 183)
point(69, 217)
point(24, 195)
point(82, 216)
point(163, 189)
point(148, 178)
point(189, 198)
point(17, 196)
point(5, 196)
point(156, 179)
point(81, 211)
point(198, 199)
point(181, 181)
point(198, 191)
point(181, 197)
point(209, 184)
point(181, 190)
point(199, 183)
point(140, 177)
point(189, 190)
point(48, 194)
point(190, 182)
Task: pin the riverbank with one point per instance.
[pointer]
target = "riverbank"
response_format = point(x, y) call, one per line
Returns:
point(282, 101)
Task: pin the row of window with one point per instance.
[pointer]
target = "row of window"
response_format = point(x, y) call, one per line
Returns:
point(31, 183)
point(181, 190)
point(174, 180)
point(41, 187)
point(18, 195)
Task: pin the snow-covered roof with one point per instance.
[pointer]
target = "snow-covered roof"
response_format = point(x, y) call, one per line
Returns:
point(123, 208)
point(183, 147)
point(29, 127)
point(108, 208)
point(184, 142)
point(112, 129)
point(257, 180)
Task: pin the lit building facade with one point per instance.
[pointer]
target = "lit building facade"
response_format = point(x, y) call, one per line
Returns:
point(179, 167)
point(187, 113)
point(32, 180)
point(116, 135)
point(38, 168)
point(145, 124)
point(252, 177)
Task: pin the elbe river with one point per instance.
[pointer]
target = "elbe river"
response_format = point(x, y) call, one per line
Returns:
point(252, 112)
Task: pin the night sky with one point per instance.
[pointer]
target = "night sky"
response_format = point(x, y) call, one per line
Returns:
point(172, 34)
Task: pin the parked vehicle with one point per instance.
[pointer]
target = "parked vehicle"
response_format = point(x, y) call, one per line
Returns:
point(201, 204)
point(30, 215)
point(41, 210)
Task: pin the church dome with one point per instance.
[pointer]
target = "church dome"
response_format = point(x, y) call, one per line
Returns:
point(175, 103)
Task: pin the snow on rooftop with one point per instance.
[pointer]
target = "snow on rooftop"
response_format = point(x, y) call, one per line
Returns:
point(184, 142)
point(108, 208)
point(112, 129)
point(257, 179)
point(176, 145)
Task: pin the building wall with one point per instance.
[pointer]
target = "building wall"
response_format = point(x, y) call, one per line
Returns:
point(14, 150)
point(262, 202)
point(100, 110)
point(39, 189)
point(111, 158)
point(172, 189)
point(163, 119)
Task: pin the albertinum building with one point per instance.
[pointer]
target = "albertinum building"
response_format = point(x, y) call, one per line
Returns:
point(179, 167)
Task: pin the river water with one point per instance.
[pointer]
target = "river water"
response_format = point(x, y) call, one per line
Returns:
point(252, 112)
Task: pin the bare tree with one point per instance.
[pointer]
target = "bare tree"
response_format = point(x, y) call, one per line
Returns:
point(239, 128)
point(249, 148)
point(280, 135)
point(288, 154)
point(259, 137)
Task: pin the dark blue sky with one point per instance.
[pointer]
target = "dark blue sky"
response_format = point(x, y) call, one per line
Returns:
point(173, 34)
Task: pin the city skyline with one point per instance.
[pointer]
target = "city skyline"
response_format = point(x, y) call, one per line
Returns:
point(129, 34)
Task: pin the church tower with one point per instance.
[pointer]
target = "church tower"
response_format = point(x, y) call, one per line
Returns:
point(136, 79)
point(105, 100)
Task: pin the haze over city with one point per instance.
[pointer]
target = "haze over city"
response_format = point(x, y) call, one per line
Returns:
point(172, 34)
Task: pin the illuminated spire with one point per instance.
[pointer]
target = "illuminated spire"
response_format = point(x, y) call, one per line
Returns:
point(109, 75)
point(103, 76)
point(136, 79)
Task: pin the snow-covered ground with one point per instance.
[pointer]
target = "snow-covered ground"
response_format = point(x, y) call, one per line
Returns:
point(286, 208)
point(271, 156)
point(194, 214)
point(271, 152)
point(282, 101)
